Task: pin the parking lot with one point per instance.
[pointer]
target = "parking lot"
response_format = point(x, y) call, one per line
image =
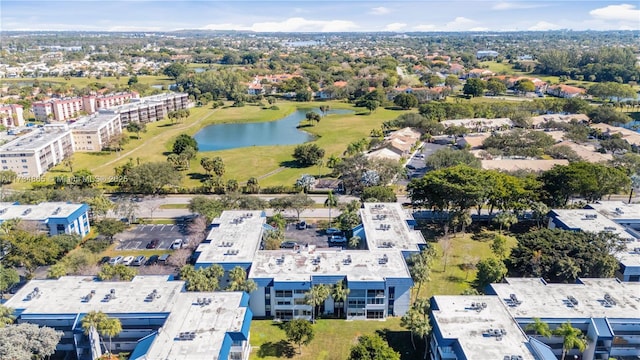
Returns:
point(138, 238)
point(309, 236)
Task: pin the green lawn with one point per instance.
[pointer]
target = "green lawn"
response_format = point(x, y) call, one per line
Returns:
point(455, 280)
point(333, 339)
point(174, 206)
point(84, 81)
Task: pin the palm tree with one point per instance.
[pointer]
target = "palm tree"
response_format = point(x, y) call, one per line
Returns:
point(571, 338)
point(354, 242)
point(340, 293)
point(6, 316)
point(331, 201)
point(315, 297)
point(91, 321)
point(110, 327)
point(416, 320)
point(539, 327)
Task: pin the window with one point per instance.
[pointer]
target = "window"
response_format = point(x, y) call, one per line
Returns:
point(60, 227)
point(299, 301)
point(375, 293)
point(284, 293)
point(284, 314)
point(284, 302)
point(300, 292)
point(377, 301)
point(375, 314)
point(4, 161)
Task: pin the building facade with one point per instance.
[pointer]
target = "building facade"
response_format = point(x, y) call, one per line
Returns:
point(60, 110)
point(94, 132)
point(11, 115)
point(159, 319)
point(52, 217)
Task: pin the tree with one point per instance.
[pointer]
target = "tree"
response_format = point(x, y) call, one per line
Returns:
point(339, 293)
point(499, 246)
point(416, 320)
point(100, 205)
point(372, 347)
point(136, 127)
point(297, 202)
point(331, 202)
point(110, 227)
point(405, 101)
point(299, 332)
point(253, 187)
point(174, 70)
point(496, 87)
point(206, 207)
point(354, 242)
point(308, 154)
point(8, 278)
point(6, 316)
point(203, 279)
point(474, 87)
point(182, 142)
point(489, 271)
point(371, 105)
point(615, 145)
point(420, 266)
point(505, 219)
point(324, 109)
point(151, 178)
point(238, 281)
point(91, 321)
point(110, 327)
point(525, 85)
point(607, 114)
point(316, 297)
point(448, 157)
point(116, 272)
point(378, 194)
point(608, 90)
point(29, 249)
point(312, 116)
point(571, 338)
point(305, 182)
point(28, 341)
point(218, 166)
point(207, 164)
point(539, 327)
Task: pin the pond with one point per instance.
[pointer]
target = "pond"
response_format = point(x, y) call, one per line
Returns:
point(279, 132)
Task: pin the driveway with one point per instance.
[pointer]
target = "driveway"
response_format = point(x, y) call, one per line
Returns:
point(311, 236)
point(141, 235)
point(416, 167)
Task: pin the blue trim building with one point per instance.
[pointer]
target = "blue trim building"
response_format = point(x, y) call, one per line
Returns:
point(53, 217)
point(159, 319)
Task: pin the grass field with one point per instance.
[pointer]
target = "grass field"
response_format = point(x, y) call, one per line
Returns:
point(333, 339)
point(272, 165)
point(84, 81)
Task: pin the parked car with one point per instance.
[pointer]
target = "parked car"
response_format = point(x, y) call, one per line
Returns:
point(128, 260)
point(153, 259)
point(411, 167)
point(153, 244)
point(177, 244)
point(104, 260)
point(301, 225)
point(288, 245)
point(116, 260)
point(419, 156)
point(162, 260)
point(139, 260)
point(333, 231)
point(337, 239)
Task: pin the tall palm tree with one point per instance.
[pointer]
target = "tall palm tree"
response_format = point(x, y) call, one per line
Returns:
point(416, 320)
point(571, 338)
point(91, 321)
point(539, 327)
point(331, 201)
point(340, 293)
point(315, 297)
point(6, 316)
point(110, 327)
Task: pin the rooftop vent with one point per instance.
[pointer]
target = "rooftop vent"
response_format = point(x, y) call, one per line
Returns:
point(591, 216)
point(110, 296)
point(26, 212)
point(34, 294)
point(89, 296)
point(498, 333)
point(384, 227)
point(383, 260)
point(152, 296)
point(609, 228)
point(316, 260)
point(572, 300)
point(347, 260)
point(57, 211)
point(280, 260)
point(513, 300)
point(478, 306)
point(204, 301)
point(608, 301)
point(2, 211)
point(186, 336)
point(232, 252)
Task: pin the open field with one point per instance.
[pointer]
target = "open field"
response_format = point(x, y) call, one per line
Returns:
point(507, 69)
point(333, 339)
point(84, 81)
point(455, 280)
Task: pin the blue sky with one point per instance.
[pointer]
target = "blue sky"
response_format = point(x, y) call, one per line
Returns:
point(319, 15)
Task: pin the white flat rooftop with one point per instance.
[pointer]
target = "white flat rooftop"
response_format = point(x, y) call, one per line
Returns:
point(457, 320)
point(591, 221)
point(551, 300)
point(301, 265)
point(35, 140)
point(38, 212)
point(617, 210)
point(630, 256)
point(94, 122)
point(209, 322)
point(385, 226)
point(235, 240)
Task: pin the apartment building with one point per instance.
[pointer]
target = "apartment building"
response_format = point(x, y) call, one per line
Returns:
point(493, 326)
point(151, 108)
point(160, 320)
point(33, 154)
point(378, 278)
point(93, 133)
point(60, 110)
point(11, 115)
point(52, 217)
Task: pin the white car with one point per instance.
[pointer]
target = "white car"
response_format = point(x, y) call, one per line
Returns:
point(127, 260)
point(115, 260)
point(177, 244)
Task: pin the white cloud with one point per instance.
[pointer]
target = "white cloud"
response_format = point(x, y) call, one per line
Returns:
point(479, 28)
point(425, 27)
point(380, 11)
point(294, 24)
point(622, 12)
point(544, 26)
point(514, 6)
point(395, 27)
point(460, 24)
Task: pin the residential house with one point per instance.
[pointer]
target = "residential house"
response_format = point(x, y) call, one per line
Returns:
point(566, 91)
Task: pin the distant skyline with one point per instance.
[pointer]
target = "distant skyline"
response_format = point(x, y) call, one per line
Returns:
point(319, 15)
